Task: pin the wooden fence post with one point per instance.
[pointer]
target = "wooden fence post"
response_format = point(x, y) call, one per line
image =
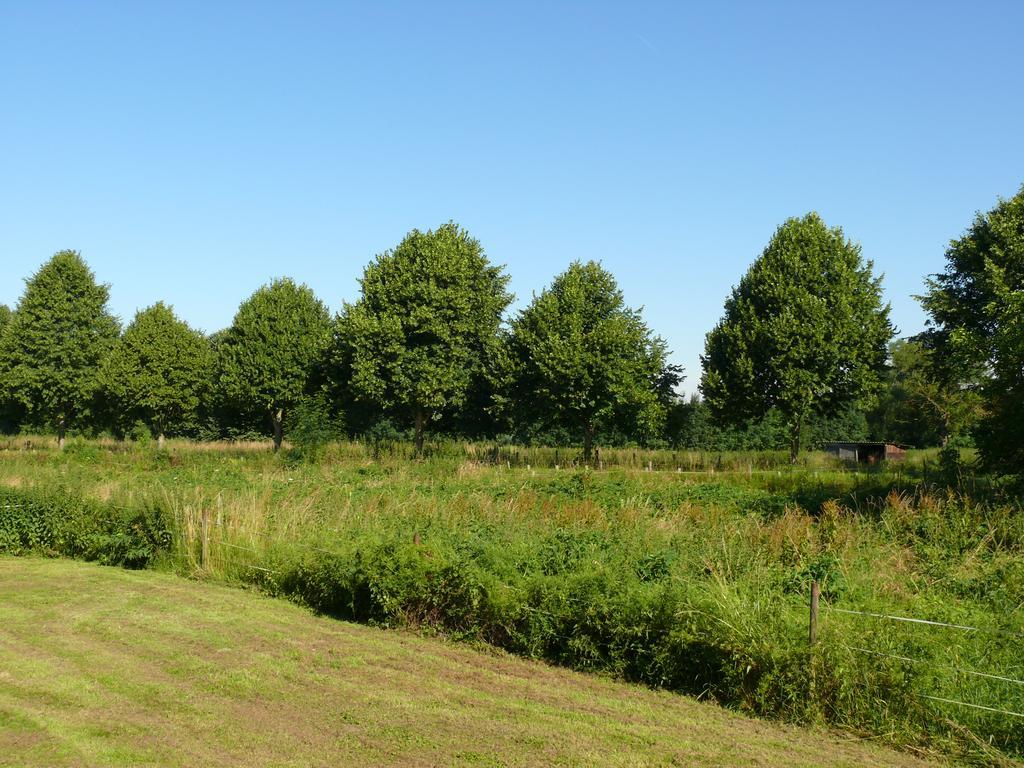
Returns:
point(813, 637)
point(815, 594)
point(206, 539)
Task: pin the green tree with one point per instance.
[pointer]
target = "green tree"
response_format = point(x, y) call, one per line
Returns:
point(157, 371)
point(425, 330)
point(221, 417)
point(54, 343)
point(580, 358)
point(267, 356)
point(805, 332)
point(976, 305)
point(8, 410)
point(919, 405)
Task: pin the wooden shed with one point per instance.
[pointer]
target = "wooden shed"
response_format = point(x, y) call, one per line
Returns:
point(866, 452)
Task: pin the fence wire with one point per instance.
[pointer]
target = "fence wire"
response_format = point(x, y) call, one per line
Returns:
point(968, 704)
point(930, 622)
point(936, 666)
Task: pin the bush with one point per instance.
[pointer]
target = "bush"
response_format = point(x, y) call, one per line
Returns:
point(312, 427)
point(59, 524)
point(575, 598)
point(139, 433)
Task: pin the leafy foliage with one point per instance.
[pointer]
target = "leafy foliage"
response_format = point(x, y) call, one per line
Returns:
point(805, 331)
point(59, 523)
point(692, 425)
point(976, 305)
point(313, 426)
point(52, 347)
point(158, 371)
point(268, 355)
point(425, 329)
point(919, 405)
point(578, 356)
point(9, 412)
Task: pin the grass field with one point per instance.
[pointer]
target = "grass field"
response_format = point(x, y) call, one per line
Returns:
point(101, 666)
point(694, 581)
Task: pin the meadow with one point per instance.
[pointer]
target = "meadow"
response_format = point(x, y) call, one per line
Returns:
point(688, 572)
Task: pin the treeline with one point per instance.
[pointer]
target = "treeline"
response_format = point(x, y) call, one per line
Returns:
point(804, 353)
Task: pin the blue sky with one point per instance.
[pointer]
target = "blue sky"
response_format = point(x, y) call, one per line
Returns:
point(194, 151)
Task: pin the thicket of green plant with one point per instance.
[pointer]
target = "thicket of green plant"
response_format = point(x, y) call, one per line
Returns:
point(694, 583)
point(58, 523)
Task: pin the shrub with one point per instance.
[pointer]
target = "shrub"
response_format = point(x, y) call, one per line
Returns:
point(56, 523)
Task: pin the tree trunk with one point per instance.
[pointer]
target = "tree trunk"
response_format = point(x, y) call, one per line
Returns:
point(794, 439)
point(945, 430)
point(277, 420)
point(61, 432)
point(420, 419)
point(588, 442)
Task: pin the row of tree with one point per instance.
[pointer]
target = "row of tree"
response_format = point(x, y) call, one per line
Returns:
point(424, 345)
point(803, 352)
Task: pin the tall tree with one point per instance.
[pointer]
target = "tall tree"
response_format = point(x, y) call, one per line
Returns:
point(5, 317)
point(976, 305)
point(425, 328)
point(579, 357)
point(54, 343)
point(267, 356)
point(805, 331)
point(157, 371)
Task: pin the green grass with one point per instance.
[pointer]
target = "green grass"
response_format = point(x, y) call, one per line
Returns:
point(696, 582)
point(100, 666)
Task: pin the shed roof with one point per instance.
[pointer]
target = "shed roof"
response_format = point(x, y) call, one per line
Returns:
point(866, 443)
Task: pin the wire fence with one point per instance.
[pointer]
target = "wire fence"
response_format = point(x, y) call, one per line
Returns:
point(932, 624)
point(925, 621)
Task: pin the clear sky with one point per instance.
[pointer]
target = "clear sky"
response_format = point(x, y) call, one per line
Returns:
point(192, 151)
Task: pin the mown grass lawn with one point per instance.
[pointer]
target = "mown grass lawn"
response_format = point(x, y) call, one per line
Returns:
point(101, 666)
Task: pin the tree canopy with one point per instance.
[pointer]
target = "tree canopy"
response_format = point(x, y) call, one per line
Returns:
point(805, 331)
point(54, 343)
point(267, 356)
point(157, 371)
point(578, 355)
point(976, 305)
point(425, 327)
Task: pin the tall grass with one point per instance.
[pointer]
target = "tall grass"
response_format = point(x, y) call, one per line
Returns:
point(692, 581)
point(509, 456)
